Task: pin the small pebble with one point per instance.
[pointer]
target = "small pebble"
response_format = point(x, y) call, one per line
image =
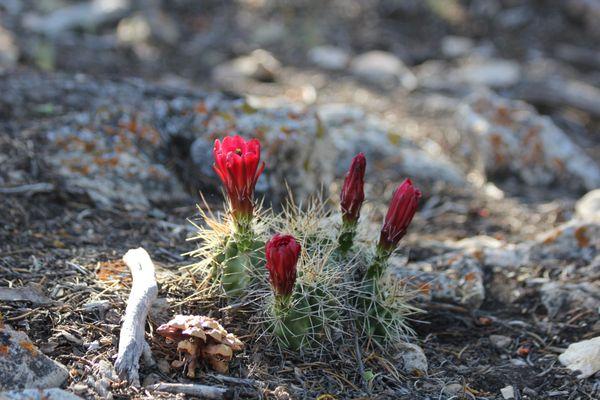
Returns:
point(500, 342)
point(508, 392)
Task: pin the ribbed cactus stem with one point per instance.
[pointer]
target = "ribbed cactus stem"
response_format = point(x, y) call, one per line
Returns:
point(347, 233)
point(379, 264)
point(292, 322)
point(243, 234)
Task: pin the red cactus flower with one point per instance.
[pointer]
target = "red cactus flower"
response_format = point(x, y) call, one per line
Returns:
point(237, 164)
point(400, 213)
point(353, 193)
point(282, 253)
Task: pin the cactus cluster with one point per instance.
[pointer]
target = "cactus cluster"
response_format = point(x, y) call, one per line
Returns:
point(308, 278)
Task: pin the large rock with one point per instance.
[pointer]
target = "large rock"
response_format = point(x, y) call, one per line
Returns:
point(329, 57)
point(88, 14)
point(128, 144)
point(507, 136)
point(470, 73)
point(37, 394)
point(451, 277)
point(23, 366)
point(109, 165)
point(383, 69)
point(557, 297)
point(352, 130)
point(259, 65)
point(296, 147)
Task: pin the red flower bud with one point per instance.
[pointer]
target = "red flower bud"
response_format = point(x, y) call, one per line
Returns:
point(353, 193)
point(400, 213)
point(282, 253)
point(237, 164)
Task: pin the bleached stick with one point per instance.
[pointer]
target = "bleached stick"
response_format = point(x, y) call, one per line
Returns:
point(143, 293)
point(202, 391)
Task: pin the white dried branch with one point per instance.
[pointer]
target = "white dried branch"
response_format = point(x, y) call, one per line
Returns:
point(143, 293)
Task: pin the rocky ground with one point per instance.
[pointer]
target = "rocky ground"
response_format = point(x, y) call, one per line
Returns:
point(107, 116)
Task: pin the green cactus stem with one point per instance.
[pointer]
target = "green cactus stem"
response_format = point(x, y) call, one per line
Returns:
point(347, 233)
point(292, 325)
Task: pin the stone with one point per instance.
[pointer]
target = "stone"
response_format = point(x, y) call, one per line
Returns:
point(451, 277)
point(588, 207)
point(583, 357)
point(507, 392)
point(500, 342)
point(453, 389)
point(38, 394)
point(9, 51)
point(352, 130)
point(557, 297)
point(296, 146)
point(260, 65)
point(413, 359)
point(470, 73)
point(493, 73)
point(112, 172)
point(329, 57)
point(456, 46)
point(577, 241)
point(89, 15)
point(383, 69)
point(23, 366)
point(134, 29)
point(135, 146)
point(508, 136)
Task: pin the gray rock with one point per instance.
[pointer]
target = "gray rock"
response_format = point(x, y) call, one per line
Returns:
point(571, 241)
point(383, 69)
point(494, 73)
point(9, 51)
point(588, 207)
point(112, 173)
point(413, 358)
point(456, 46)
point(558, 297)
point(510, 136)
point(37, 394)
point(508, 393)
point(453, 389)
point(582, 356)
point(88, 15)
point(295, 145)
point(452, 277)
point(259, 65)
point(329, 57)
point(23, 366)
point(470, 74)
point(500, 342)
point(352, 130)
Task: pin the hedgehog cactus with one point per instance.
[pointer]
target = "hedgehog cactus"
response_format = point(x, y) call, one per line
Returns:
point(316, 296)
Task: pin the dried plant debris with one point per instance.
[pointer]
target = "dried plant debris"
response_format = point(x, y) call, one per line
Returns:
point(200, 338)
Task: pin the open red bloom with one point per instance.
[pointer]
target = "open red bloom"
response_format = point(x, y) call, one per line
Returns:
point(353, 193)
point(282, 253)
point(237, 164)
point(400, 213)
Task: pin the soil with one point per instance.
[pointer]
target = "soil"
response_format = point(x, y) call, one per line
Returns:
point(64, 246)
